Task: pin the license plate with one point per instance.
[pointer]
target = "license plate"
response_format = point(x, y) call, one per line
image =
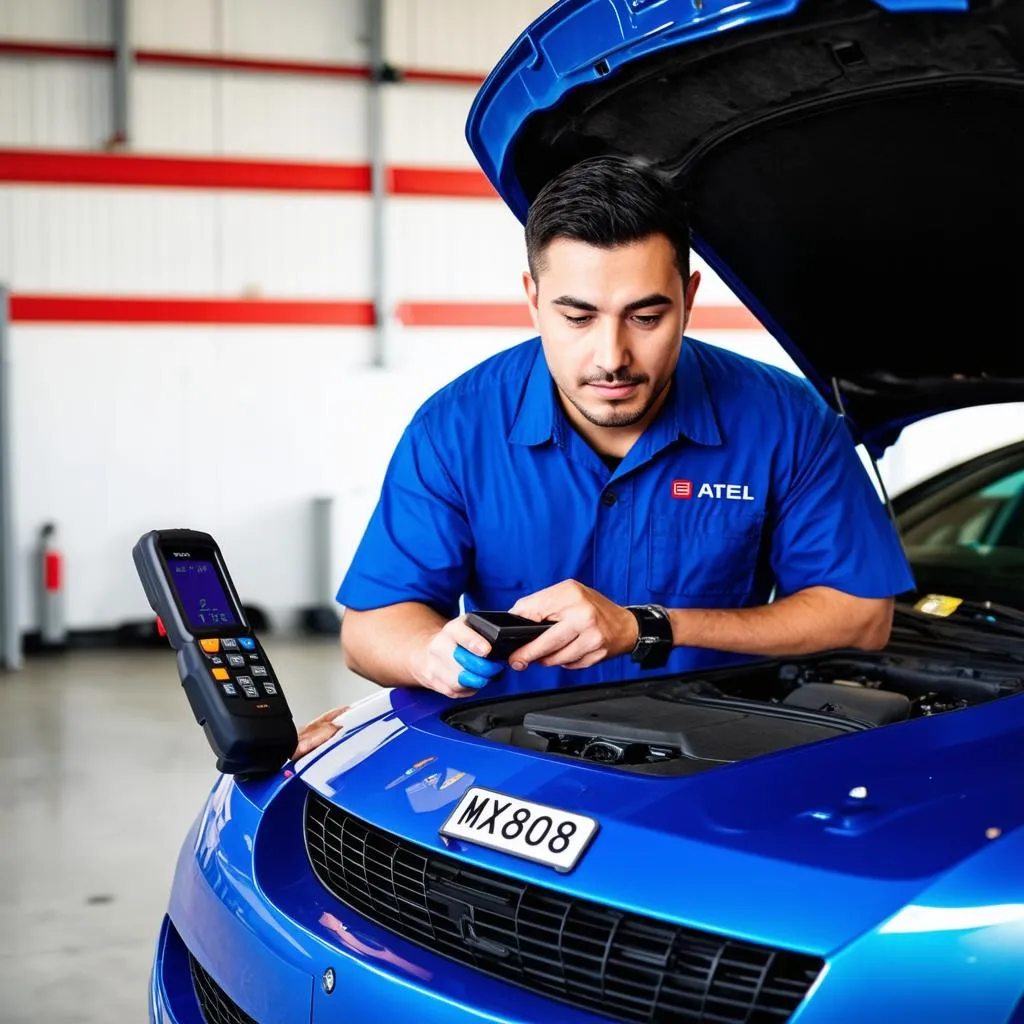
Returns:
point(536, 832)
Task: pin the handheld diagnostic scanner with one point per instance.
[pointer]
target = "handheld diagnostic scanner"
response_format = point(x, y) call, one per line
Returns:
point(505, 631)
point(224, 670)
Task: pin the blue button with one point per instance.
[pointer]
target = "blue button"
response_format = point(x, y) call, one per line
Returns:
point(247, 643)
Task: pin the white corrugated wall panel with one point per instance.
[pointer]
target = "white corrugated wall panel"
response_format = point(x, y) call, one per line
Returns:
point(450, 249)
point(193, 25)
point(293, 117)
point(222, 113)
point(328, 31)
point(176, 110)
point(55, 104)
point(295, 246)
point(167, 242)
point(56, 21)
point(6, 236)
point(114, 241)
point(331, 31)
point(426, 124)
point(232, 431)
point(456, 35)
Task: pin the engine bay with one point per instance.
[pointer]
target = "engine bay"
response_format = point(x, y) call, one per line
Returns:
point(681, 725)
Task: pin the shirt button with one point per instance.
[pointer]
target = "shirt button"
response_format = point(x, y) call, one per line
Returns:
point(609, 498)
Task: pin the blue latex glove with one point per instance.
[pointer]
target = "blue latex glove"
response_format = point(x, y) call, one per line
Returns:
point(478, 671)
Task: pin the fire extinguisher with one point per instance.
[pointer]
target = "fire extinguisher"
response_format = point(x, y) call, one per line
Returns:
point(52, 631)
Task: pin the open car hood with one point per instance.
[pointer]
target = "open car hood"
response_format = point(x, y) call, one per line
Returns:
point(855, 169)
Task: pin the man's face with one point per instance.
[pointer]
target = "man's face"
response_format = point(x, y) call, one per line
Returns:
point(611, 323)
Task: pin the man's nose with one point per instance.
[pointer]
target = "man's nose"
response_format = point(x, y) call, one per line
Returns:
point(611, 353)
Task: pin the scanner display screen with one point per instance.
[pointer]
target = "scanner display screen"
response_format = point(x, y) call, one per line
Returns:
point(201, 593)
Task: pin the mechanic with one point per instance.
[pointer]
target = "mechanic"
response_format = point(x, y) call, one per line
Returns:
point(619, 478)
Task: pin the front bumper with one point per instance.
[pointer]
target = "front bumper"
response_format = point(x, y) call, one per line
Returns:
point(268, 949)
point(251, 912)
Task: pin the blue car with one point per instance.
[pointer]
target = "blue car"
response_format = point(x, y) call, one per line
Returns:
point(818, 840)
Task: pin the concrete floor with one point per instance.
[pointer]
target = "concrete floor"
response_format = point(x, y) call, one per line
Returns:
point(105, 769)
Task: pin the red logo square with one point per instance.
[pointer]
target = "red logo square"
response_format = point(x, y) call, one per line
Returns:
point(682, 488)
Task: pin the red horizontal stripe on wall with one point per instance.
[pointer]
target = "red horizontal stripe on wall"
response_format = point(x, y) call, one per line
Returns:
point(224, 62)
point(220, 63)
point(53, 167)
point(463, 314)
point(77, 168)
point(441, 77)
point(436, 181)
point(56, 50)
point(108, 309)
point(83, 309)
point(515, 314)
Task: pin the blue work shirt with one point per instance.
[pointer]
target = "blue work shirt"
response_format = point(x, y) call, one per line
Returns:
point(745, 483)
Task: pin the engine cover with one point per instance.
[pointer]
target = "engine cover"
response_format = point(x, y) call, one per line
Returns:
point(720, 731)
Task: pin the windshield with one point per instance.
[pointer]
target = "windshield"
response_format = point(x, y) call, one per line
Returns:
point(969, 539)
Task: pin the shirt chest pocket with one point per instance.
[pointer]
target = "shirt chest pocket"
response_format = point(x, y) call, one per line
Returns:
point(707, 549)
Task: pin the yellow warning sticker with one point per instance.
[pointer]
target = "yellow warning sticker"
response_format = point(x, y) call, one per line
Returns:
point(939, 604)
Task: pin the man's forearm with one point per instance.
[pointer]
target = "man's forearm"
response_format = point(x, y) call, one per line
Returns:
point(813, 620)
point(384, 643)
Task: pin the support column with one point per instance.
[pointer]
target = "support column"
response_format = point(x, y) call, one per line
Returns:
point(10, 637)
point(121, 31)
point(379, 74)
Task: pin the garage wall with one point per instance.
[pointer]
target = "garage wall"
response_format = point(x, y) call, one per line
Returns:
point(235, 429)
point(128, 417)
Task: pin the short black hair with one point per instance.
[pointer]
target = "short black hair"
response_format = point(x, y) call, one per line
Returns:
point(608, 201)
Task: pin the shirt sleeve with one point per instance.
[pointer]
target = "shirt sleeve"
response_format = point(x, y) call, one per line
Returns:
point(831, 528)
point(418, 544)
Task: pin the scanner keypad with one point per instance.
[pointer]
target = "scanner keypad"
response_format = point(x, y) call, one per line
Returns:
point(247, 674)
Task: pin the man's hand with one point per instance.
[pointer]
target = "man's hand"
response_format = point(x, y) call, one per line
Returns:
point(317, 732)
point(588, 627)
point(454, 661)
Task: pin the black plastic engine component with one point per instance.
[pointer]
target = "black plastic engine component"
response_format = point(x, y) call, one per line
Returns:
point(719, 731)
point(878, 707)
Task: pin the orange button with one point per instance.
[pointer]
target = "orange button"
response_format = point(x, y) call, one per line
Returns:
point(220, 674)
point(210, 646)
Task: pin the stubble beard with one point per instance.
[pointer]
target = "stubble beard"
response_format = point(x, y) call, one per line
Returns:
point(614, 417)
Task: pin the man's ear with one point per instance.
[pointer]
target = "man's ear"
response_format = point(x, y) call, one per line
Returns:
point(689, 294)
point(530, 287)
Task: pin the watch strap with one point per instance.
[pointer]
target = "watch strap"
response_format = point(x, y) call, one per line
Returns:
point(654, 639)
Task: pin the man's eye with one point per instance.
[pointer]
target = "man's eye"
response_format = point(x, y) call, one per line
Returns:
point(577, 321)
point(647, 319)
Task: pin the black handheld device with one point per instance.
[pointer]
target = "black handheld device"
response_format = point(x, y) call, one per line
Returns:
point(505, 631)
point(224, 670)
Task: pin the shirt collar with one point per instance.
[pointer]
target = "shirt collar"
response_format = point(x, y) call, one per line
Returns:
point(688, 410)
point(535, 419)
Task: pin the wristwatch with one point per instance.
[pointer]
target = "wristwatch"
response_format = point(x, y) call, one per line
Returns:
point(654, 643)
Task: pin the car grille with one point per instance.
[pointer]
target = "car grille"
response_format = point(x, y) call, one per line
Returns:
point(214, 1004)
point(622, 965)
